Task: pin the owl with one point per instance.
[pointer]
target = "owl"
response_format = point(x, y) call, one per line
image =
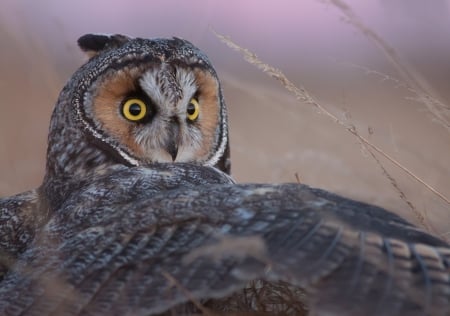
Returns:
point(137, 213)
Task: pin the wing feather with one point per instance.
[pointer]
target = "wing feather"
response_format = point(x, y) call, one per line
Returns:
point(348, 256)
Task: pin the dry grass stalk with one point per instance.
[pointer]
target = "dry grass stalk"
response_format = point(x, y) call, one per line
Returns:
point(262, 298)
point(439, 110)
point(420, 217)
point(399, 84)
point(303, 95)
point(382, 76)
point(174, 282)
point(297, 177)
point(258, 298)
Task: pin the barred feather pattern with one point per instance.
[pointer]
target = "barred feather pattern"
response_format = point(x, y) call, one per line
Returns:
point(118, 247)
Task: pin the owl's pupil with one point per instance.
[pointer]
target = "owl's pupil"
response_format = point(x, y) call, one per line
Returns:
point(191, 109)
point(135, 109)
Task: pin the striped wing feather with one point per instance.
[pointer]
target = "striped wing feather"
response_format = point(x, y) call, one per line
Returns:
point(201, 245)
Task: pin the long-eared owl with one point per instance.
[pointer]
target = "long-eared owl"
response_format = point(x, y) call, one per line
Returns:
point(138, 215)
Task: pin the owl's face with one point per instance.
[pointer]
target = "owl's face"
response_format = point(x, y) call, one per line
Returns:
point(138, 102)
point(158, 111)
point(152, 100)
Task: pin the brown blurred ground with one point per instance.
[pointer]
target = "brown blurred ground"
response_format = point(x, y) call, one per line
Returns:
point(273, 137)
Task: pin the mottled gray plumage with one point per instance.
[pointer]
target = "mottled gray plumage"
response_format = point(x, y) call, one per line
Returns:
point(109, 233)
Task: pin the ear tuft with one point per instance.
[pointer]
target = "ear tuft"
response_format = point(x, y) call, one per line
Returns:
point(92, 44)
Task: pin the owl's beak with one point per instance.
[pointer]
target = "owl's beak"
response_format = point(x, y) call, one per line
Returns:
point(172, 149)
point(174, 135)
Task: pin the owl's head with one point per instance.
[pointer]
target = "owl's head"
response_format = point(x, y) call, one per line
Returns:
point(138, 102)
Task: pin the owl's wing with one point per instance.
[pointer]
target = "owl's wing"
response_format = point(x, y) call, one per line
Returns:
point(19, 217)
point(196, 244)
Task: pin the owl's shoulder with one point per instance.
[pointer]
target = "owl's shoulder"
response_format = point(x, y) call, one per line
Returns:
point(20, 215)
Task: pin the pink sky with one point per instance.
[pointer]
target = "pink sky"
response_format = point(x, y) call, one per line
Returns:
point(259, 22)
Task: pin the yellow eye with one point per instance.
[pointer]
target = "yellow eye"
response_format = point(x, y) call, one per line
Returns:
point(134, 109)
point(193, 109)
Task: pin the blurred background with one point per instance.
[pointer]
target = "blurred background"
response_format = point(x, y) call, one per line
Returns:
point(274, 137)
